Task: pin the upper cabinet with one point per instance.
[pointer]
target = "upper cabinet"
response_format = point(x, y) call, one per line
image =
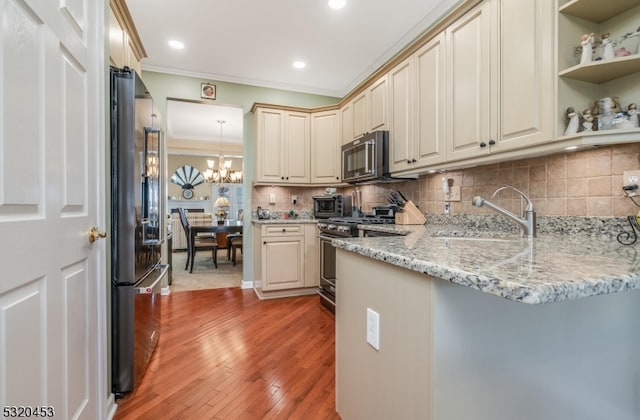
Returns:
point(471, 107)
point(501, 84)
point(526, 74)
point(581, 84)
point(366, 112)
point(325, 147)
point(125, 47)
point(416, 108)
point(283, 140)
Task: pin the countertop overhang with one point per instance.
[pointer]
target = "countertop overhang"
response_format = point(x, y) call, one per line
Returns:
point(545, 269)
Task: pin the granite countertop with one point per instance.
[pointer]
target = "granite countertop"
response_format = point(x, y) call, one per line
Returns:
point(548, 268)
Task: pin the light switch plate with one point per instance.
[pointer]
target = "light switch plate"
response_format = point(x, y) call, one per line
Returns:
point(373, 328)
point(272, 198)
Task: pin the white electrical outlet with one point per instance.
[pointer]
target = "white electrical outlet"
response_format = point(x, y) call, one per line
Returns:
point(373, 328)
point(272, 198)
point(454, 193)
point(294, 199)
point(631, 183)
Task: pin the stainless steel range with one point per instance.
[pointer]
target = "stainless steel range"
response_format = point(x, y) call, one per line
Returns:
point(340, 227)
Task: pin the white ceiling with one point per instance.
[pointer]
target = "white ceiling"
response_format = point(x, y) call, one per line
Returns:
point(255, 43)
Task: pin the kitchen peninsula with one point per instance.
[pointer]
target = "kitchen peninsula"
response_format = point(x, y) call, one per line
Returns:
point(488, 327)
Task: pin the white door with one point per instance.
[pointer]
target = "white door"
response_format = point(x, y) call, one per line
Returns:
point(53, 281)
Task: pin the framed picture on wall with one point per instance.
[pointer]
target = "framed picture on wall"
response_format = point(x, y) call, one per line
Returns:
point(207, 91)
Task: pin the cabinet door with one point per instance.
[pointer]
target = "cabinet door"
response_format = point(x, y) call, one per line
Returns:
point(269, 141)
point(526, 73)
point(311, 256)
point(298, 142)
point(377, 95)
point(401, 116)
point(469, 85)
point(282, 263)
point(430, 103)
point(346, 118)
point(360, 115)
point(325, 147)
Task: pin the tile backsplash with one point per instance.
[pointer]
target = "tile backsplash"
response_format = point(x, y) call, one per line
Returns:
point(583, 183)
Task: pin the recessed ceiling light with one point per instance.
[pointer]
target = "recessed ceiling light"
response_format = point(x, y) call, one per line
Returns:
point(571, 148)
point(176, 44)
point(337, 4)
point(299, 64)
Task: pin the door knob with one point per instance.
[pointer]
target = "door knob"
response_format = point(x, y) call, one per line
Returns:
point(95, 234)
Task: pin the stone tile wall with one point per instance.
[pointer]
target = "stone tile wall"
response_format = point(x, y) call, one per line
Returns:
point(584, 183)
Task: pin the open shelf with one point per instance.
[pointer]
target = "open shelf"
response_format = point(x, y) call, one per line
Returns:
point(604, 70)
point(597, 11)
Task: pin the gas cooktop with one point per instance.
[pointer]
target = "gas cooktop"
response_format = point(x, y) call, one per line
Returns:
point(365, 220)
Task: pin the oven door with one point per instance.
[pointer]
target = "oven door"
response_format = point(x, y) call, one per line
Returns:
point(327, 290)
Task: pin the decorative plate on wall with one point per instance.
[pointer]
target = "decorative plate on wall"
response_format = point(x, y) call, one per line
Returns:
point(187, 177)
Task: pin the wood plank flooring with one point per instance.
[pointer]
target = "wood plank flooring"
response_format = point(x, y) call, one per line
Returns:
point(225, 354)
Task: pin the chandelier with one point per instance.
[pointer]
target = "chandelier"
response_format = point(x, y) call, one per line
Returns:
point(224, 174)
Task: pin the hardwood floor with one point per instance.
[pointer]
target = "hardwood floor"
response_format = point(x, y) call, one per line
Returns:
point(225, 354)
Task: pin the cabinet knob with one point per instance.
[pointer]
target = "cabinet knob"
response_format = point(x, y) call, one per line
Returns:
point(483, 144)
point(284, 230)
point(408, 161)
point(281, 177)
point(287, 178)
point(264, 243)
point(492, 142)
point(413, 161)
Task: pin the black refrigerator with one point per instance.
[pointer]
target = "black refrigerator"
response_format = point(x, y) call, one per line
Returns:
point(137, 229)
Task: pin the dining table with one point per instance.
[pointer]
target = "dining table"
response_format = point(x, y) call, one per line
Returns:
point(216, 227)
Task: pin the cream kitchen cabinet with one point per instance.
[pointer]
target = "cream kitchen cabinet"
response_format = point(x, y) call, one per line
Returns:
point(346, 119)
point(282, 262)
point(366, 112)
point(283, 141)
point(501, 86)
point(325, 147)
point(125, 48)
point(471, 106)
point(287, 259)
point(526, 73)
point(416, 108)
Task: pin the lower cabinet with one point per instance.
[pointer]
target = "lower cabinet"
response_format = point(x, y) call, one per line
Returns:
point(287, 257)
point(282, 262)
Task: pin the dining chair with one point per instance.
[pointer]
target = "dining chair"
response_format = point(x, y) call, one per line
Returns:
point(202, 243)
point(234, 243)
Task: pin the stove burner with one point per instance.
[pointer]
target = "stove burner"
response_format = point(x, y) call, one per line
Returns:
point(348, 226)
point(367, 220)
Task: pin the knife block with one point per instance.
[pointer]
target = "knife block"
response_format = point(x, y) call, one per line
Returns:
point(410, 215)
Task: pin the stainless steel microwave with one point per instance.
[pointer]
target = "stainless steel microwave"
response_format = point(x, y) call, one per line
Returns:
point(367, 158)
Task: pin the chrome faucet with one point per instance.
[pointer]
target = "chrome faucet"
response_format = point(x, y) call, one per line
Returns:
point(526, 222)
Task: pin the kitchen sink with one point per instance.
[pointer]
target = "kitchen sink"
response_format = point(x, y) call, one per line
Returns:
point(477, 235)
